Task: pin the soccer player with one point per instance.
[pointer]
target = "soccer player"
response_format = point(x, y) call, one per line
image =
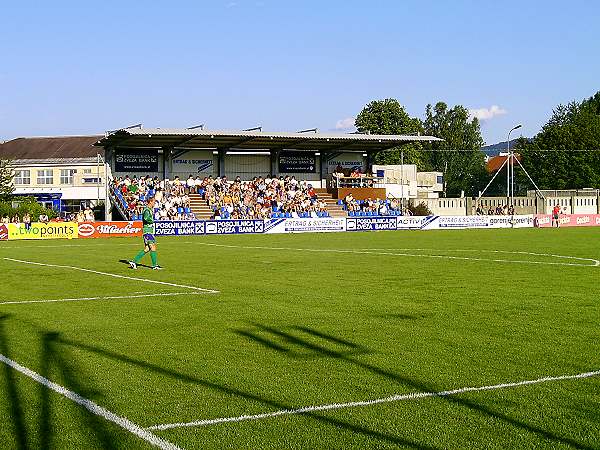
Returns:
point(149, 239)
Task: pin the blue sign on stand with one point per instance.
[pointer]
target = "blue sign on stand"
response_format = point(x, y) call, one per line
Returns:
point(179, 228)
point(234, 226)
point(371, 223)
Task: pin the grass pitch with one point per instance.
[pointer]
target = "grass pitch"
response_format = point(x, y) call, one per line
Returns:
point(306, 320)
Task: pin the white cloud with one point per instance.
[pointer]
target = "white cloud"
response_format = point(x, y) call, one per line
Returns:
point(345, 124)
point(487, 113)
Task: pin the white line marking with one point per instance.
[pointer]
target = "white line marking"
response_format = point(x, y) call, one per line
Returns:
point(549, 255)
point(391, 399)
point(211, 291)
point(415, 255)
point(91, 406)
point(83, 299)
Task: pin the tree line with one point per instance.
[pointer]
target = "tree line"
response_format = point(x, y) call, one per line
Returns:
point(564, 154)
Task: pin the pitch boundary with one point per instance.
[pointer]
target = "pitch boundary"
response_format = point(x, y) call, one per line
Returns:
point(84, 299)
point(363, 403)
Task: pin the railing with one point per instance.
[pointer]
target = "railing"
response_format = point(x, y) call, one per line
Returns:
point(362, 181)
point(119, 202)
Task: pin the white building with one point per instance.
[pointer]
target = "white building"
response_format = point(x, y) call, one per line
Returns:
point(63, 173)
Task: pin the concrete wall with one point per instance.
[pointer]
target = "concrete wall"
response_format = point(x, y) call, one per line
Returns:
point(445, 206)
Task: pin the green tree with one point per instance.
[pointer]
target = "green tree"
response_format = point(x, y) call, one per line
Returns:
point(565, 153)
point(389, 117)
point(6, 180)
point(459, 155)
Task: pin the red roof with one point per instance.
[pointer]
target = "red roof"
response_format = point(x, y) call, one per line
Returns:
point(495, 162)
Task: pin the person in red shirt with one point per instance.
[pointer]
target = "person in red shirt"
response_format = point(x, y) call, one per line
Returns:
point(555, 214)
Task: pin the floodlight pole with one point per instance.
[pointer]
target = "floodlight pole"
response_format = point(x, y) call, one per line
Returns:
point(491, 181)
point(510, 172)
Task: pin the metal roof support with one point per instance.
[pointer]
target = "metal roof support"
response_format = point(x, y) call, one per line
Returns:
point(281, 147)
point(241, 141)
point(201, 126)
point(253, 129)
point(167, 158)
point(221, 164)
point(309, 130)
point(274, 161)
point(109, 132)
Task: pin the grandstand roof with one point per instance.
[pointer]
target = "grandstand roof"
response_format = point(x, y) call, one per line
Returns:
point(253, 140)
point(36, 148)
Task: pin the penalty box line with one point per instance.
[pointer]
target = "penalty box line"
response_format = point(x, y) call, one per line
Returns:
point(165, 283)
point(92, 407)
point(391, 399)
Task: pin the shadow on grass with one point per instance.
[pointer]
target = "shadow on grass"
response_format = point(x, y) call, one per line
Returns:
point(336, 423)
point(53, 359)
point(276, 339)
point(126, 262)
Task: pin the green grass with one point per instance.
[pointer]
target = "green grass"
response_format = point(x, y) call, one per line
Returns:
point(293, 328)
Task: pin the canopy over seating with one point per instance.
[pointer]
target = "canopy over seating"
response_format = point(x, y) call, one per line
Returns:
point(253, 140)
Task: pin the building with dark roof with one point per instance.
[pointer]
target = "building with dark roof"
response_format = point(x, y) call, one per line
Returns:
point(64, 173)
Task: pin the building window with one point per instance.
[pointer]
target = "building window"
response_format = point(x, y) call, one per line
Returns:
point(87, 171)
point(22, 177)
point(45, 176)
point(66, 176)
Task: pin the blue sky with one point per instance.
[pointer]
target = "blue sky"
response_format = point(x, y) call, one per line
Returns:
point(79, 67)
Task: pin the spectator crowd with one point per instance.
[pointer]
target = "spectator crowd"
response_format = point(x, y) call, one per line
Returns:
point(172, 199)
point(373, 207)
point(261, 198)
point(499, 210)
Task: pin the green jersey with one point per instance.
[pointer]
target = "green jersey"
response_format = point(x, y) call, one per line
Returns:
point(148, 221)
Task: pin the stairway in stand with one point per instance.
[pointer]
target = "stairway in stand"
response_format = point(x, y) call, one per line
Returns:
point(333, 208)
point(199, 207)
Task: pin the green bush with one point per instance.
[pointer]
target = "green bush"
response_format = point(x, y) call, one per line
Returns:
point(420, 210)
point(26, 205)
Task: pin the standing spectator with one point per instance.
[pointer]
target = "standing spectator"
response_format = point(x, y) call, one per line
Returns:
point(27, 221)
point(89, 215)
point(16, 219)
point(555, 215)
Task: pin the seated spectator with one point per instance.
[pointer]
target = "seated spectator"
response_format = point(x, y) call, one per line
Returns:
point(43, 218)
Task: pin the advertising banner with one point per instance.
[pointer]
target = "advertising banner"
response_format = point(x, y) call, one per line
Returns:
point(136, 161)
point(330, 224)
point(52, 230)
point(486, 221)
point(109, 229)
point(297, 162)
point(347, 161)
point(234, 226)
point(417, 222)
point(568, 220)
point(524, 221)
point(3, 232)
point(179, 228)
point(194, 162)
point(371, 223)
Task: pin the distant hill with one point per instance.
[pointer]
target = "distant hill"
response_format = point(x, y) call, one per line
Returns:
point(495, 149)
